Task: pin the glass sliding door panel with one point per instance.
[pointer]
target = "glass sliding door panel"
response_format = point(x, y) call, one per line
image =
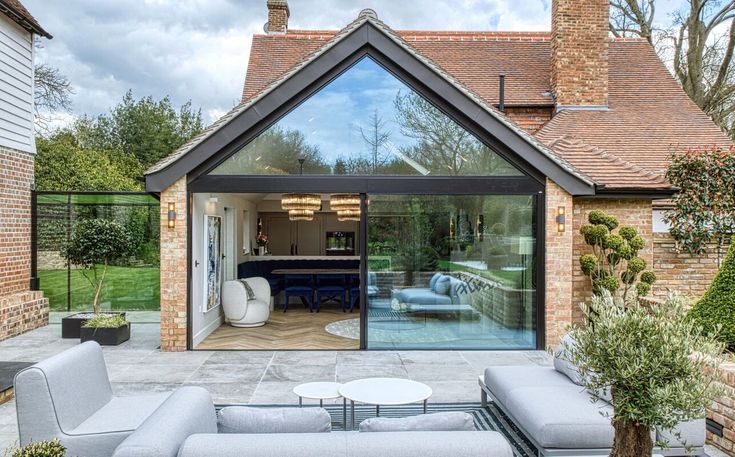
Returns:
point(451, 272)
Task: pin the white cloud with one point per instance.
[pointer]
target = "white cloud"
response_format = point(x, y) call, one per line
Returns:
point(198, 49)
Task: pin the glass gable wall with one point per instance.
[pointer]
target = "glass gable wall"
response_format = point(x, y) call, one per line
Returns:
point(366, 122)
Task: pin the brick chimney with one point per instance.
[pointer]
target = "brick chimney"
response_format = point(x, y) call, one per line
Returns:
point(278, 14)
point(579, 53)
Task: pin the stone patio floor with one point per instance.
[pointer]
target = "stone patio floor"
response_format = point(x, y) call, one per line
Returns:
point(260, 377)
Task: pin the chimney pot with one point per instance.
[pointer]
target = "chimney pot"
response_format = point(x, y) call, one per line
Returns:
point(278, 14)
point(579, 53)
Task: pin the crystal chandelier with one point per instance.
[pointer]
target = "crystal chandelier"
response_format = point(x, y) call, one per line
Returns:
point(300, 215)
point(344, 201)
point(310, 202)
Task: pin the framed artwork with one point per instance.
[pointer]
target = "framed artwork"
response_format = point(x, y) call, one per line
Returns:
point(213, 256)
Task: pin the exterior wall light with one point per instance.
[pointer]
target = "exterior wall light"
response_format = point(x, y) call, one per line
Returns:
point(172, 215)
point(561, 219)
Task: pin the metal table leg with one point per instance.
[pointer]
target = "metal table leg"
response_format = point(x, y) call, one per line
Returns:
point(344, 413)
point(301, 402)
point(377, 410)
point(425, 406)
point(352, 414)
point(321, 403)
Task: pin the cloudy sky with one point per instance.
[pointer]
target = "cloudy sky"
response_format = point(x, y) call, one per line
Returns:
point(198, 49)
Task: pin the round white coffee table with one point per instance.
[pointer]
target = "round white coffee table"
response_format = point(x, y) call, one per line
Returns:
point(321, 391)
point(384, 392)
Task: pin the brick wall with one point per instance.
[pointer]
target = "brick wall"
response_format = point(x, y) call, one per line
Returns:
point(278, 14)
point(21, 310)
point(687, 274)
point(579, 52)
point(559, 265)
point(723, 412)
point(636, 213)
point(530, 118)
point(174, 268)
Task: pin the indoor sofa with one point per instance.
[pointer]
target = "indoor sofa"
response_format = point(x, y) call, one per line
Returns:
point(69, 397)
point(558, 416)
point(444, 293)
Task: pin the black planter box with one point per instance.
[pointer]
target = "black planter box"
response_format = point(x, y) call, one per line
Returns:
point(106, 336)
point(71, 325)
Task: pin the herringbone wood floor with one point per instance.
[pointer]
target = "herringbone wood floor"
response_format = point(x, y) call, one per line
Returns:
point(296, 329)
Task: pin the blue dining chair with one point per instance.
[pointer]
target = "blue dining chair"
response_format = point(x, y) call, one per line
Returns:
point(330, 287)
point(354, 291)
point(301, 286)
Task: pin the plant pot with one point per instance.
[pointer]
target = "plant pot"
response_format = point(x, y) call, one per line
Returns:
point(106, 336)
point(71, 325)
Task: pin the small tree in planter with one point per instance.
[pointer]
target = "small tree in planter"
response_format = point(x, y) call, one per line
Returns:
point(660, 368)
point(94, 244)
point(614, 264)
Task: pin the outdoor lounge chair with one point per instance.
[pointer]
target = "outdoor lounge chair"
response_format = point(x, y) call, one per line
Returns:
point(69, 397)
point(559, 417)
point(241, 311)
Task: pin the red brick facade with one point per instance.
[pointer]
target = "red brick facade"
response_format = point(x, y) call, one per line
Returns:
point(278, 14)
point(531, 118)
point(174, 269)
point(722, 411)
point(21, 310)
point(636, 213)
point(559, 265)
point(579, 52)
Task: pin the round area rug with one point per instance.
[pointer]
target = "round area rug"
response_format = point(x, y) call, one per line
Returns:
point(347, 328)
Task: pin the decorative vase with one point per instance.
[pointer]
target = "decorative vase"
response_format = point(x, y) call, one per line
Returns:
point(261, 250)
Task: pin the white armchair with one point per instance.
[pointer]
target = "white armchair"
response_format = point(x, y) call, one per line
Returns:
point(241, 312)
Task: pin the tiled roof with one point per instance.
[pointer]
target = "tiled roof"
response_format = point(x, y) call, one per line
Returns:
point(474, 58)
point(649, 117)
point(18, 13)
point(328, 44)
point(605, 168)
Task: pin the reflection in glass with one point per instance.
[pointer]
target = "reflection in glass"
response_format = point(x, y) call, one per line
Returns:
point(366, 122)
point(452, 272)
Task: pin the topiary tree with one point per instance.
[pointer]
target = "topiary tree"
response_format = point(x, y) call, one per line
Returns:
point(95, 243)
point(716, 310)
point(614, 264)
point(642, 356)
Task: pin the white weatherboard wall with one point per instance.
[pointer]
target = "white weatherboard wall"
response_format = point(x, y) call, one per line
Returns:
point(16, 87)
point(204, 323)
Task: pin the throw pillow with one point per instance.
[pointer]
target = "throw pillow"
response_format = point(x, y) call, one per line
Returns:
point(443, 285)
point(248, 290)
point(434, 279)
point(242, 419)
point(562, 363)
point(437, 422)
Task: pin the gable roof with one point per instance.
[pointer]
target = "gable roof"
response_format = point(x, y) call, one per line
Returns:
point(649, 114)
point(518, 140)
point(15, 10)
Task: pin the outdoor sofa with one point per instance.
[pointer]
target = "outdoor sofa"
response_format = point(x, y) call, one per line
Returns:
point(557, 413)
point(69, 397)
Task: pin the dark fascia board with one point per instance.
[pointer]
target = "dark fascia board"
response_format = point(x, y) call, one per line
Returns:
point(633, 193)
point(21, 19)
point(365, 37)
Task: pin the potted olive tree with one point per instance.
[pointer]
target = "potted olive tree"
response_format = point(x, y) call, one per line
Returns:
point(657, 368)
point(94, 244)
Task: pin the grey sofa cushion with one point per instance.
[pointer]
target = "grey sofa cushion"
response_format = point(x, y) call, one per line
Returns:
point(562, 416)
point(443, 285)
point(434, 279)
point(121, 414)
point(242, 419)
point(692, 433)
point(422, 296)
point(189, 410)
point(501, 380)
point(349, 444)
point(562, 363)
point(440, 422)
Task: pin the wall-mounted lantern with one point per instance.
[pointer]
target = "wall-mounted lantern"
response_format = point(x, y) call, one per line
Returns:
point(172, 215)
point(561, 219)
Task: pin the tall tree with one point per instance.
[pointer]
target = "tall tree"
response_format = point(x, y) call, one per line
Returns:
point(702, 42)
point(376, 136)
point(52, 92)
point(145, 129)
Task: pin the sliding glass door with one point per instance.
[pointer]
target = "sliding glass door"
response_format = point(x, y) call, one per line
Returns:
point(451, 272)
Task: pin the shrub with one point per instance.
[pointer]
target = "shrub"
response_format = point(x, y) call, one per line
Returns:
point(614, 262)
point(106, 321)
point(643, 356)
point(41, 449)
point(97, 242)
point(717, 308)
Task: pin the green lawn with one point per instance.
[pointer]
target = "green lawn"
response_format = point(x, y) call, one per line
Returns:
point(125, 289)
